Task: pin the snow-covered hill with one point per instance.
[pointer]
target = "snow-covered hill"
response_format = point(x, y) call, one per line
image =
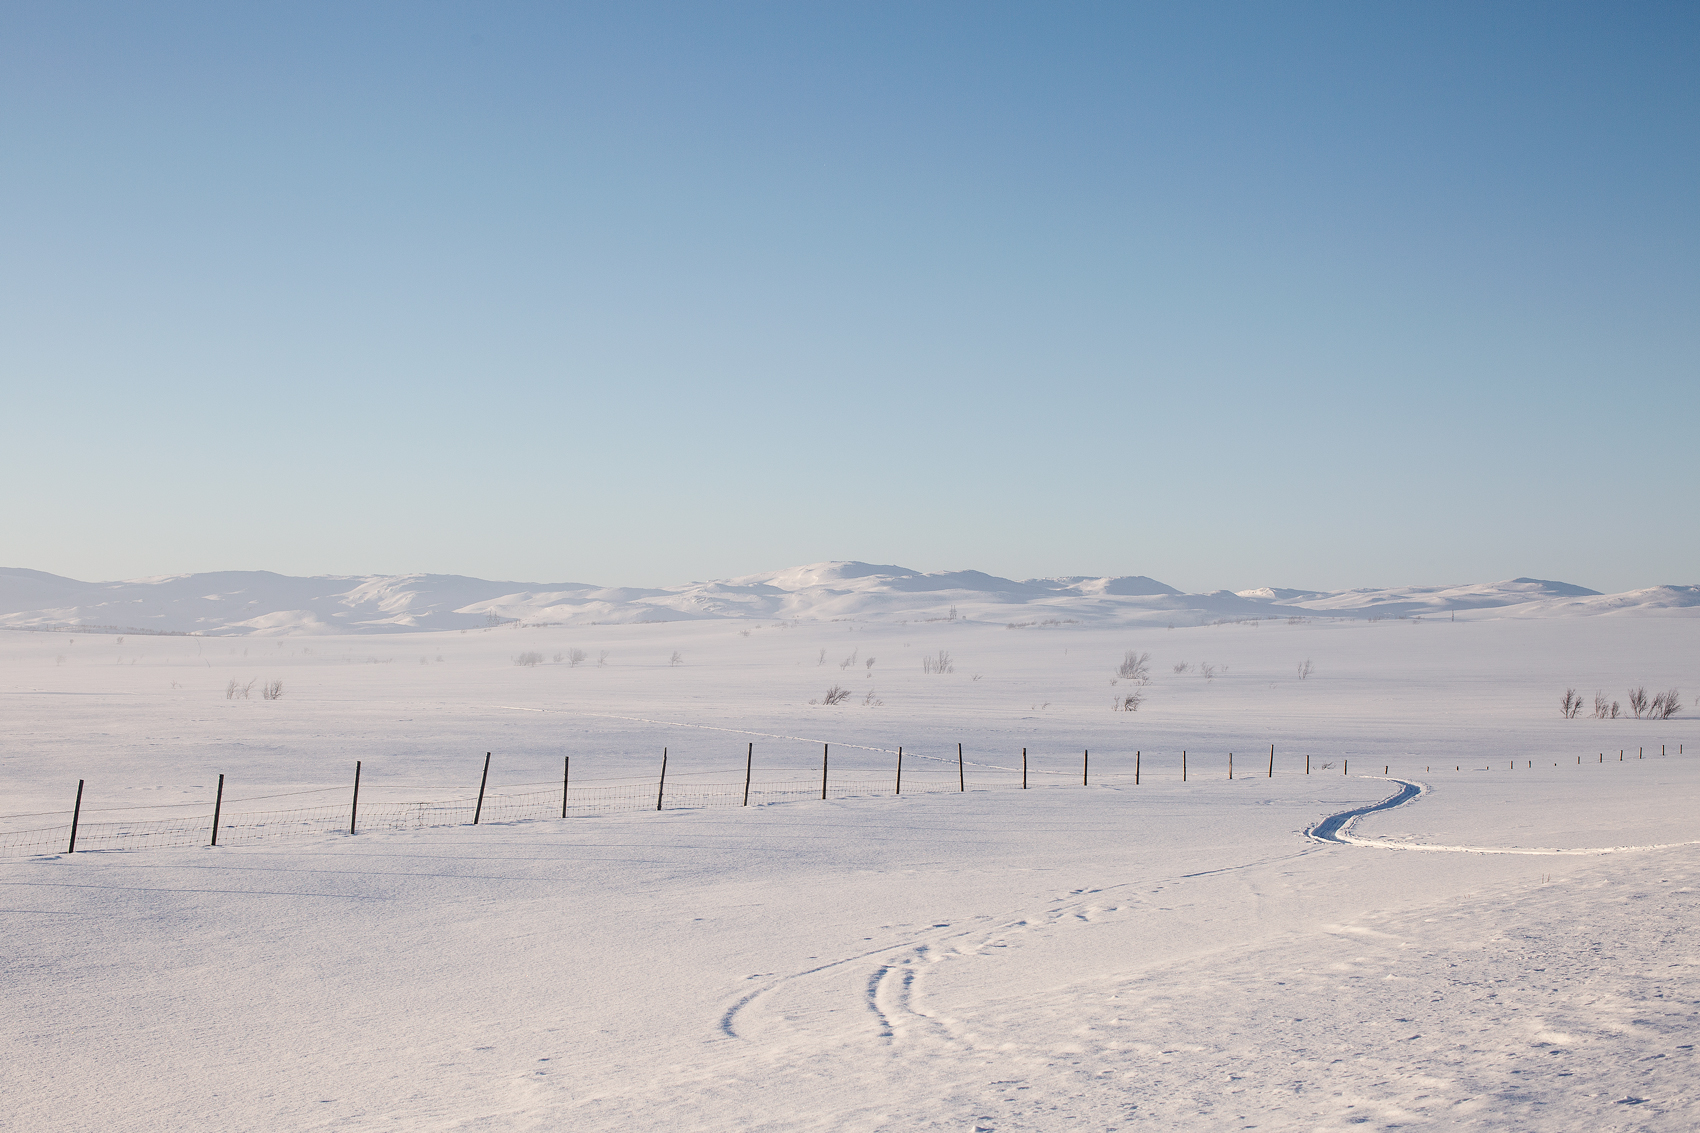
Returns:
point(260, 602)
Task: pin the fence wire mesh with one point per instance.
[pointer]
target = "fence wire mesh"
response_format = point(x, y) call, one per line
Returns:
point(237, 827)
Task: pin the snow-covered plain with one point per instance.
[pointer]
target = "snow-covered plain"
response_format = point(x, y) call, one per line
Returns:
point(1111, 956)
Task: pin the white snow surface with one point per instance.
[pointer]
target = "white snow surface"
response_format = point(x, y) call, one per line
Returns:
point(1109, 956)
point(261, 603)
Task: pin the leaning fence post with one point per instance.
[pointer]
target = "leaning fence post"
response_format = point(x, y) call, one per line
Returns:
point(824, 749)
point(749, 762)
point(479, 810)
point(566, 774)
point(961, 783)
point(1271, 761)
point(76, 813)
point(900, 770)
point(662, 785)
point(354, 807)
point(218, 805)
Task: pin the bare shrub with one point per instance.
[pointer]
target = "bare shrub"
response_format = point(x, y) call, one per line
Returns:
point(528, 659)
point(1638, 702)
point(871, 701)
point(1601, 707)
point(1570, 705)
point(869, 663)
point(575, 657)
point(850, 660)
point(231, 689)
point(272, 690)
point(1306, 668)
point(743, 633)
point(1135, 667)
point(1665, 705)
point(1208, 672)
point(676, 659)
point(1127, 702)
point(837, 694)
point(1180, 666)
point(1616, 710)
point(822, 660)
point(940, 664)
point(602, 659)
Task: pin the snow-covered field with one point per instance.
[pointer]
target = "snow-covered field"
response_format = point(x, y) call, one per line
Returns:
point(1112, 956)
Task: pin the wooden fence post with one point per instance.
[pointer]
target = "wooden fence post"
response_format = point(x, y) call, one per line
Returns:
point(661, 786)
point(900, 770)
point(1023, 769)
point(1085, 767)
point(1344, 763)
point(823, 752)
point(961, 783)
point(1136, 769)
point(1230, 765)
point(478, 811)
point(1272, 761)
point(76, 813)
point(566, 776)
point(1183, 765)
point(218, 805)
point(354, 806)
point(749, 762)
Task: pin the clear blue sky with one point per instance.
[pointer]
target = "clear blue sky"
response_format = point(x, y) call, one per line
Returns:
point(1231, 295)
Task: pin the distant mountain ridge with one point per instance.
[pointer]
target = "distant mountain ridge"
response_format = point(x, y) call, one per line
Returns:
point(229, 603)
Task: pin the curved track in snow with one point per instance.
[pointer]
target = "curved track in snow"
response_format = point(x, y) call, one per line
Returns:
point(1336, 828)
point(1333, 828)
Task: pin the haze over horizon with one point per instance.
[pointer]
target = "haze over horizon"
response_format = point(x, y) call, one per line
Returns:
point(899, 567)
point(1324, 295)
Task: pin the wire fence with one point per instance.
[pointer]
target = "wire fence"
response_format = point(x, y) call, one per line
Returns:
point(226, 824)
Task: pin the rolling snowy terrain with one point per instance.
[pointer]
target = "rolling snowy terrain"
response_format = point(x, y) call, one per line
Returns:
point(261, 603)
point(1114, 955)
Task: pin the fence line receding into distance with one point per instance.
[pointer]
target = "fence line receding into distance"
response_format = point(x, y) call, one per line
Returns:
point(84, 829)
